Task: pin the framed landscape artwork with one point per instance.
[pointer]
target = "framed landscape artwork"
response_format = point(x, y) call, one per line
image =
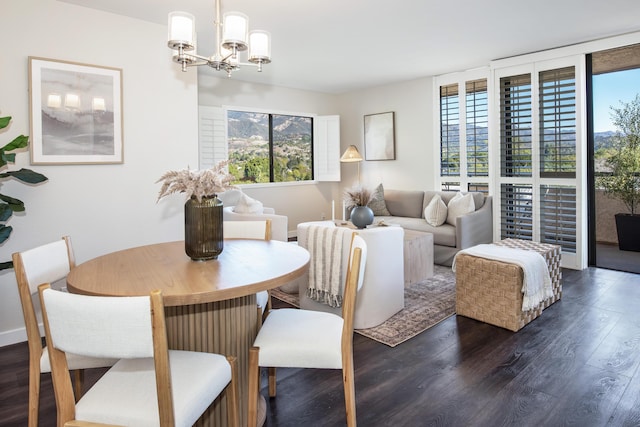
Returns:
point(379, 136)
point(76, 113)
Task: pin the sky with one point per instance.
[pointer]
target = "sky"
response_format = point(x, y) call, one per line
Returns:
point(608, 90)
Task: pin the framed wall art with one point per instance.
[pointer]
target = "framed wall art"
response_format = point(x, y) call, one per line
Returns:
point(76, 113)
point(379, 136)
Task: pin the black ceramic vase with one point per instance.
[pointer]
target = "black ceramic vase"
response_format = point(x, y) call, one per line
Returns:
point(203, 236)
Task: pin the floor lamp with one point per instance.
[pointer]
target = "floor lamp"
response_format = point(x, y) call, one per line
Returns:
point(351, 155)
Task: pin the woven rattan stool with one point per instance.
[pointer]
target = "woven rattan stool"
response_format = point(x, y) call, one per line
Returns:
point(491, 291)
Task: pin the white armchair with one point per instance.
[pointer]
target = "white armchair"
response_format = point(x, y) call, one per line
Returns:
point(279, 223)
point(382, 294)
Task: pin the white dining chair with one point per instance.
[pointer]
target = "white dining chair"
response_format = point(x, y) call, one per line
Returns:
point(295, 338)
point(47, 263)
point(258, 230)
point(150, 385)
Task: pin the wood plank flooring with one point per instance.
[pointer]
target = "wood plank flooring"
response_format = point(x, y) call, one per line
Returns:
point(576, 365)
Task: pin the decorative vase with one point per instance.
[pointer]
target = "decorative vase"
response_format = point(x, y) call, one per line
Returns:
point(203, 237)
point(361, 216)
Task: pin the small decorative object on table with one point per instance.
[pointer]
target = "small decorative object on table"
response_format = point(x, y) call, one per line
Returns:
point(203, 234)
point(357, 199)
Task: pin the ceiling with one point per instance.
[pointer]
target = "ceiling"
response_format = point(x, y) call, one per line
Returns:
point(336, 46)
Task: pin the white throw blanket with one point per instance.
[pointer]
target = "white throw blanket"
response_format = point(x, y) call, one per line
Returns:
point(325, 248)
point(536, 285)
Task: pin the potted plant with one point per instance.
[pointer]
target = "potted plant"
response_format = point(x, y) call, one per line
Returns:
point(356, 199)
point(623, 178)
point(203, 232)
point(9, 205)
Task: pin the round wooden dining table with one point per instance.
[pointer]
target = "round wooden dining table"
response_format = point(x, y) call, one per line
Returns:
point(209, 305)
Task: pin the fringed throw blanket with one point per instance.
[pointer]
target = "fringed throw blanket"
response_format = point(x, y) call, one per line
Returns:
point(325, 248)
point(536, 284)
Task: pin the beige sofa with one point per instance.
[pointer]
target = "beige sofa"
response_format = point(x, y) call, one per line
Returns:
point(407, 210)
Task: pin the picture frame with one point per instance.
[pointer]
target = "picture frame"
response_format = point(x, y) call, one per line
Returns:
point(75, 113)
point(379, 136)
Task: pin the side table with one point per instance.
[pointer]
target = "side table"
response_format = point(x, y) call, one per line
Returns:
point(418, 256)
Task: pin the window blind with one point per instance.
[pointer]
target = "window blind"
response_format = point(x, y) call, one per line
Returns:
point(516, 219)
point(557, 94)
point(449, 131)
point(477, 126)
point(558, 216)
point(515, 125)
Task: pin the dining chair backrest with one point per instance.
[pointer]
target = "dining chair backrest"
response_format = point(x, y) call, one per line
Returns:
point(44, 264)
point(99, 326)
point(354, 282)
point(259, 230)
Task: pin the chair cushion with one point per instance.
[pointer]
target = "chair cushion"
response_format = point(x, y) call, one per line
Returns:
point(126, 394)
point(75, 362)
point(262, 298)
point(300, 339)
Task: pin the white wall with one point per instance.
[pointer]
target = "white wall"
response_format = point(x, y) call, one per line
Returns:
point(102, 207)
point(412, 102)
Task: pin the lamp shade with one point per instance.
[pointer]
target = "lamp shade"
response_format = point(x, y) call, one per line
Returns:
point(235, 30)
point(182, 31)
point(351, 154)
point(259, 46)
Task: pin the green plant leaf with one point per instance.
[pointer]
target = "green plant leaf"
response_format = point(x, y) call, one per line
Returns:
point(15, 204)
point(6, 265)
point(4, 122)
point(5, 212)
point(25, 175)
point(20, 141)
point(5, 231)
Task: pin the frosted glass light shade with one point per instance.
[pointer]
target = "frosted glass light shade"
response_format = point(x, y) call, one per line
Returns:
point(182, 30)
point(235, 30)
point(259, 46)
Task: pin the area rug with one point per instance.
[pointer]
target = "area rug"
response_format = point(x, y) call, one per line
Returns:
point(425, 305)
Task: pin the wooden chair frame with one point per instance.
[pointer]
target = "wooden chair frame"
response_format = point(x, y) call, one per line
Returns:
point(34, 340)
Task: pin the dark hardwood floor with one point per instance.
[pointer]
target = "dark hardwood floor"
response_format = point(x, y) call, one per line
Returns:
point(576, 365)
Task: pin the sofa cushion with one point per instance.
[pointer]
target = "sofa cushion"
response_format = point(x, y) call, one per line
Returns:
point(445, 235)
point(459, 205)
point(436, 211)
point(478, 198)
point(377, 203)
point(407, 203)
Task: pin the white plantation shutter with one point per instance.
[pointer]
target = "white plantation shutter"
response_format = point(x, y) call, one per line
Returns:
point(326, 148)
point(213, 136)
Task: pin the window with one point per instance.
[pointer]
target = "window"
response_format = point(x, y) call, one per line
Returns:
point(538, 199)
point(265, 147)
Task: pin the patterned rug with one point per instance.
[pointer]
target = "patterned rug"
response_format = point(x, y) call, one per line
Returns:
point(425, 305)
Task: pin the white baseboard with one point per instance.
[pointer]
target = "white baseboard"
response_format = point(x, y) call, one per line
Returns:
point(13, 337)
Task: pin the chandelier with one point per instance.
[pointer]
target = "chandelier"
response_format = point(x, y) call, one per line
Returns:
point(232, 37)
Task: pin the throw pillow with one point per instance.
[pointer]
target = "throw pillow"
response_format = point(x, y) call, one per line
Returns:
point(459, 205)
point(436, 211)
point(377, 203)
point(230, 197)
point(247, 205)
